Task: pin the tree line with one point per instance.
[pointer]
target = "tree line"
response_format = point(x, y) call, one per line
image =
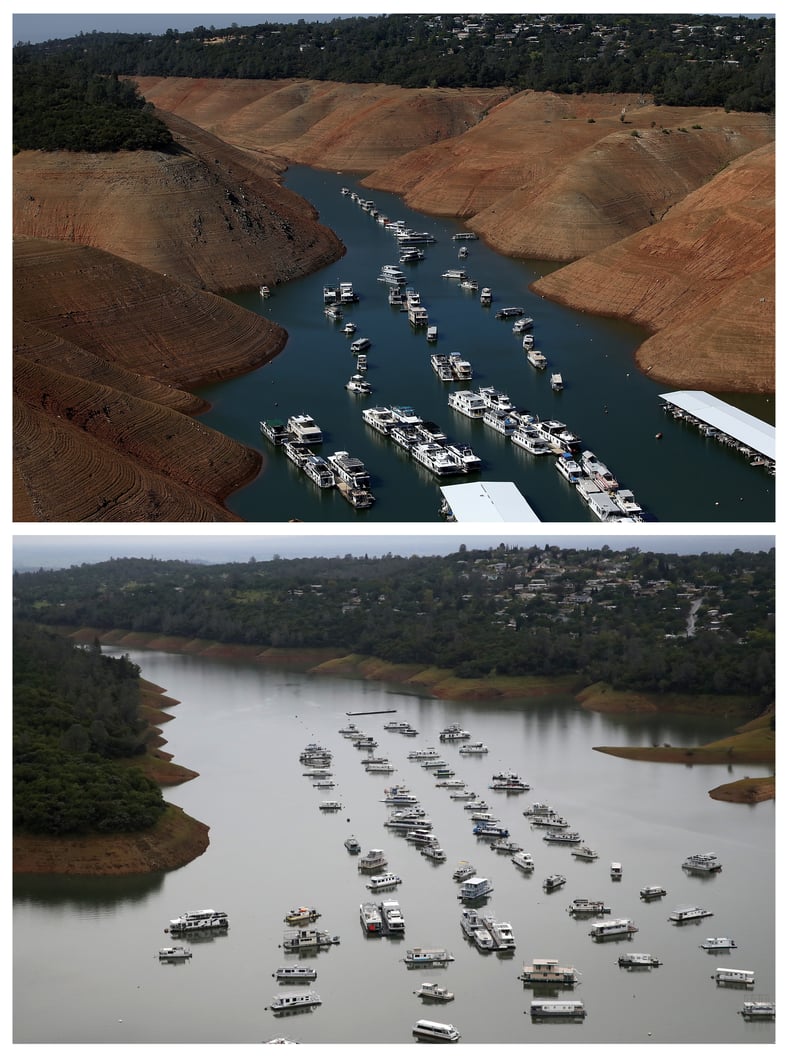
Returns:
point(75, 716)
point(621, 617)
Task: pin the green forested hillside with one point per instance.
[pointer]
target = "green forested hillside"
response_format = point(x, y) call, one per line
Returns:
point(75, 712)
point(680, 60)
point(636, 620)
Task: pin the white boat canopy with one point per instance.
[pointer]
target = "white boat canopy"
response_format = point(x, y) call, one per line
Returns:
point(488, 502)
point(748, 429)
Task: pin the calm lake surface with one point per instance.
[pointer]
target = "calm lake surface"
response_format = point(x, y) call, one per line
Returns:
point(85, 950)
point(606, 400)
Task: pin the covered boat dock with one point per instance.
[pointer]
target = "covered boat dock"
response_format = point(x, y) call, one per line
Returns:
point(726, 423)
point(486, 503)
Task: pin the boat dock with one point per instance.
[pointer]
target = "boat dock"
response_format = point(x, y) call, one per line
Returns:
point(725, 423)
point(486, 502)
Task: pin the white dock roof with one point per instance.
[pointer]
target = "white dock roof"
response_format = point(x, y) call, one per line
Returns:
point(488, 503)
point(732, 421)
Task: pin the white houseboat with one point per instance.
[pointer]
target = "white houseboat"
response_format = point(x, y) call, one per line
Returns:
point(392, 918)
point(725, 976)
point(588, 907)
point(536, 358)
point(557, 381)
point(474, 929)
point(358, 385)
point(469, 403)
point(637, 959)
point(718, 944)
point(652, 892)
point(358, 346)
point(613, 927)
point(553, 881)
point(474, 888)
point(370, 918)
point(523, 860)
point(195, 921)
point(460, 367)
point(501, 932)
point(688, 914)
point(304, 429)
point(274, 430)
point(175, 954)
point(349, 469)
point(294, 1001)
point(432, 990)
point(295, 973)
point(435, 1030)
point(428, 957)
point(758, 1011)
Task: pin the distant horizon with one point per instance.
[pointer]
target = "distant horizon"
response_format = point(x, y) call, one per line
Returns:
point(34, 27)
point(64, 551)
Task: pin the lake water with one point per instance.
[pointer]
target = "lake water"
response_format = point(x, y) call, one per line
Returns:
point(85, 950)
point(606, 401)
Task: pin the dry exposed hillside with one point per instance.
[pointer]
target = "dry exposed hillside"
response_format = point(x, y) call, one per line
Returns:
point(102, 430)
point(211, 215)
point(356, 128)
point(703, 279)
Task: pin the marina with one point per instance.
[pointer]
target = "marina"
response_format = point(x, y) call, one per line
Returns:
point(602, 395)
point(260, 755)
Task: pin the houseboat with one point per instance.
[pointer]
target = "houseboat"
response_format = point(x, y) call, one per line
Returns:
point(460, 367)
point(274, 430)
point(330, 805)
point(358, 346)
point(392, 918)
point(195, 921)
point(301, 939)
point(437, 1031)
point(352, 845)
point(708, 863)
point(301, 915)
point(175, 954)
point(588, 907)
point(304, 430)
point(553, 881)
point(652, 892)
point(432, 990)
point(317, 469)
point(294, 1001)
point(374, 859)
point(349, 328)
point(470, 462)
point(548, 972)
point(534, 357)
point(557, 381)
point(474, 929)
point(523, 860)
point(718, 944)
point(463, 871)
point(616, 871)
point(454, 732)
point(557, 1009)
point(510, 311)
point(350, 470)
point(724, 976)
point(370, 918)
point(431, 334)
point(758, 1011)
point(358, 385)
point(688, 914)
point(486, 829)
point(464, 236)
point(485, 298)
point(637, 959)
point(390, 274)
point(538, 810)
point(561, 836)
point(614, 927)
point(569, 468)
point(468, 403)
point(473, 889)
point(455, 274)
point(295, 973)
point(583, 851)
point(428, 957)
point(522, 325)
point(501, 932)
point(530, 440)
point(558, 435)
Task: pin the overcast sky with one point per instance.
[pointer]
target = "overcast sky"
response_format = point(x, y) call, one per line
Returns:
point(64, 550)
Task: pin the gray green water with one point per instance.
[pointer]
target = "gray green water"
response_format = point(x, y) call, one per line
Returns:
point(85, 950)
point(613, 407)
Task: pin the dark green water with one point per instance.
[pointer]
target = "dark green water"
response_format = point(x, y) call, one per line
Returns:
point(606, 401)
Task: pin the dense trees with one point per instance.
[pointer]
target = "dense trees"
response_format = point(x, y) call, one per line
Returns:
point(75, 712)
point(681, 60)
point(59, 104)
point(627, 617)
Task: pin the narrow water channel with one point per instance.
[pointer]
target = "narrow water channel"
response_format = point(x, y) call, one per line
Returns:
point(674, 472)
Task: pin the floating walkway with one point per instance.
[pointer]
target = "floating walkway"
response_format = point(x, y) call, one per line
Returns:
point(724, 422)
point(486, 502)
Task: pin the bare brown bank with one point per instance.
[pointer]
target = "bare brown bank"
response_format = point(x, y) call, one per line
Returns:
point(667, 216)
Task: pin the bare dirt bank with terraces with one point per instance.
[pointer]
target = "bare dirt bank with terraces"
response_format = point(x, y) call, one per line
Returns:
point(667, 213)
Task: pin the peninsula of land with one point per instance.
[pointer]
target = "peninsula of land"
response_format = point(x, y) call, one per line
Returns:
point(665, 217)
point(175, 840)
